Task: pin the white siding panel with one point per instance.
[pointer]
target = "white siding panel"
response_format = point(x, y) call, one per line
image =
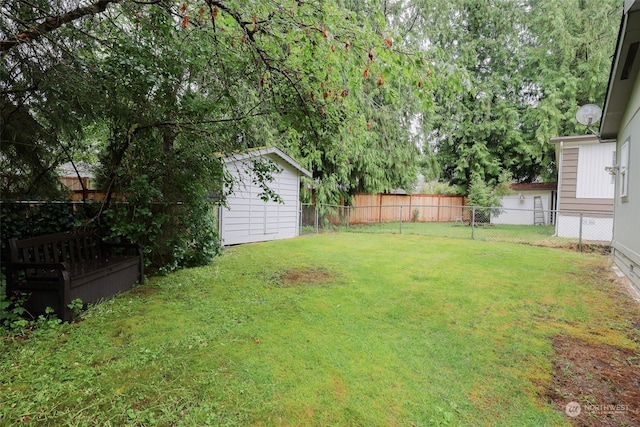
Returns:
point(249, 219)
point(521, 212)
point(594, 182)
point(592, 228)
point(627, 222)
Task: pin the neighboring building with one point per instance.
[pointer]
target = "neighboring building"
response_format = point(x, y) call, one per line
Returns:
point(585, 187)
point(621, 123)
point(75, 177)
point(248, 218)
point(529, 204)
point(79, 181)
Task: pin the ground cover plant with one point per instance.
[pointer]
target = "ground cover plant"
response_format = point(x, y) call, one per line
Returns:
point(333, 329)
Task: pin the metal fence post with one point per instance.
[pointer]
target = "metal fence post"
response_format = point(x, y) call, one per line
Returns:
point(580, 234)
point(317, 214)
point(400, 219)
point(473, 221)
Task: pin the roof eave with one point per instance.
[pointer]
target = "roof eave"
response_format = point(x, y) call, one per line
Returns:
point(619, 88)
point(260, 152)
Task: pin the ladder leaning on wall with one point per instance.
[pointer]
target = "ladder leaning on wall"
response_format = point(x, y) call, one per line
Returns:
point(538, 212)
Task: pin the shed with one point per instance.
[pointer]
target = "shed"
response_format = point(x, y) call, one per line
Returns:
point(586, 189)
point(528, 204)
point(246, 216)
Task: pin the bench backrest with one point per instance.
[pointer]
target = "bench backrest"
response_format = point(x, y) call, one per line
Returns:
point(72, 248)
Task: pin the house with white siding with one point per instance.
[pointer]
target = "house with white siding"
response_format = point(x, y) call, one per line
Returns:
point(247, 217)
point(585, 187)
point(621, 123)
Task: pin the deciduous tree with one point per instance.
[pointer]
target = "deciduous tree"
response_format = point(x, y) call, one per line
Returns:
point(175, 85)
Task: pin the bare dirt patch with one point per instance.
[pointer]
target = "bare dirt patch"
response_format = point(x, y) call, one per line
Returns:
point(595, 384)
point(307, 277)
point(142, 290)
point(592, 248)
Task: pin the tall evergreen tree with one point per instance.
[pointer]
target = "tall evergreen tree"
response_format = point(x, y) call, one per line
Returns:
point(530, 65)
point(568, 61)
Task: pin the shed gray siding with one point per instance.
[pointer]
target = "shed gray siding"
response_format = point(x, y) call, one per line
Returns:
point(247, 218)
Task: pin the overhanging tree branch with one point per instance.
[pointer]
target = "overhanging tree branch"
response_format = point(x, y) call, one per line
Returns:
point(139, 127)
point(52, 23)
point(267, 61)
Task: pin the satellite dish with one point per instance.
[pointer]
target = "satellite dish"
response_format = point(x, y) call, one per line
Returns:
point(588, 114)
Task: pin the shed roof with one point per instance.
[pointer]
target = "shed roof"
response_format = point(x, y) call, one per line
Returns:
point(530, 186)
point(83, 168)
point(254, 153)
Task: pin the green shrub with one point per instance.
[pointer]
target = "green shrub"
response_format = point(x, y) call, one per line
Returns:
point(24, 220)
point(15, 319)
point(486, 197)
point(172, 234)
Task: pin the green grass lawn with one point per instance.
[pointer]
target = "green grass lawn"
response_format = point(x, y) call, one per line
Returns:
point(335, 329)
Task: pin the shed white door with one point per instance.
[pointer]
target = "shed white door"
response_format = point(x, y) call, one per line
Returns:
point(248, 218)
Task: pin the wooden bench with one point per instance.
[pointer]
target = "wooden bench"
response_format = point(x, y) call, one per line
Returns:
point(55, 269)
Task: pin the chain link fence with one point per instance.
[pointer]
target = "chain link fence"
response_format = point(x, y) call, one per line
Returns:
point(580, 230)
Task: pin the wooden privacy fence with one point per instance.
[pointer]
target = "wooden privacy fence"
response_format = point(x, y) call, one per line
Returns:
point(378, 208)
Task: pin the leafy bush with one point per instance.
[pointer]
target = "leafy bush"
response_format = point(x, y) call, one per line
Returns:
point(487, 196)
point(172, 234)
point(16, 320)
point(436, 187)
point(24, 220)
point(138, 219)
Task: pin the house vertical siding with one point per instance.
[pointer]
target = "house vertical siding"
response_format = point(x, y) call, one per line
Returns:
point(626, 235)
point(585, 192)
point(595, 182)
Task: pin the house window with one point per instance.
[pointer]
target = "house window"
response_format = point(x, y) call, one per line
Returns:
point(624, 171)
